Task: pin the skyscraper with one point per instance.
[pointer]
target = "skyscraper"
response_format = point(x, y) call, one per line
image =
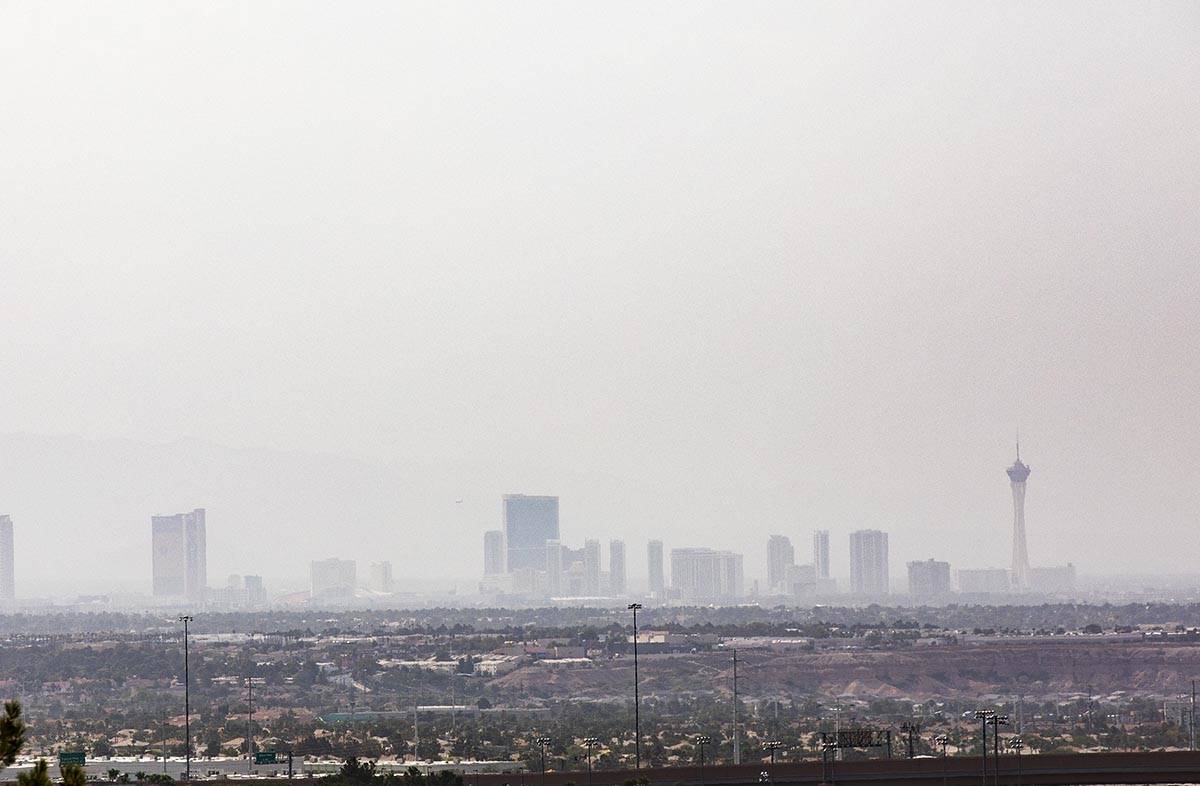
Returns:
point(381, 576)
point(493, 552)
point(616, 568)
point(529, 522)
point(1018, 473)
point(654, 567)
point(780, 557)
point(869, 562)
point(821, 553)
point(8, 586)
point(332, 578)
point(179, 555)
point(554, 568)
point(591, 567)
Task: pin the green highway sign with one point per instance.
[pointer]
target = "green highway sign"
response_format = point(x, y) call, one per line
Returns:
point(72, 757)
point(264, 757)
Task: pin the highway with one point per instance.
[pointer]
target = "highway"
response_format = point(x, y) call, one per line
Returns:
point(1075, 769)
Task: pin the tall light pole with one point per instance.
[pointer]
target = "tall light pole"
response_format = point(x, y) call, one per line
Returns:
point(737, 736)
point(187, 701)
point(982, 716)
point(250, 723)
point(827, 751)
point(996, 721)
point(637, 708)
point(543, 742)
point(589, 743)
point(910, 729)
point(701, 741)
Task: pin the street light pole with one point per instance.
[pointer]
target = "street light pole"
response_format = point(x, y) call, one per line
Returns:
point(187, 701)
point(637, 709)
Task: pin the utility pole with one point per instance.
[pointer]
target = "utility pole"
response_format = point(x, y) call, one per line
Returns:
point(737, 734)
point(187, 702)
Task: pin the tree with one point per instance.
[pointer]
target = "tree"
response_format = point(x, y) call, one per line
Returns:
point(113, 773)
point(73, 775)
point(38, 776)
point(12, 733)
point(354, 771)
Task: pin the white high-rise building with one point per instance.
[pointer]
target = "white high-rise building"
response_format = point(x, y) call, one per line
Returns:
point(869, 562)
point(616, 568)
point(654, 568)
point(821, 553)
point(8, 584)
point(1018, 473)
point(179, 555)
point(780, 557)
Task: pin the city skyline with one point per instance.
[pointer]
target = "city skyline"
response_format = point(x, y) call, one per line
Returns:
point(179, 556)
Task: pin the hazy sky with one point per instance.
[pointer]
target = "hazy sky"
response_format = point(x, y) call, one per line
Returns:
point(773, 265)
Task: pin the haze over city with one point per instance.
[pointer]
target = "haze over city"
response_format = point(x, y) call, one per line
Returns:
point(705, 275)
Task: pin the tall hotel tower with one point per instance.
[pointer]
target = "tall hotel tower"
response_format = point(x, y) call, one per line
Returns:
point(1017, 475)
